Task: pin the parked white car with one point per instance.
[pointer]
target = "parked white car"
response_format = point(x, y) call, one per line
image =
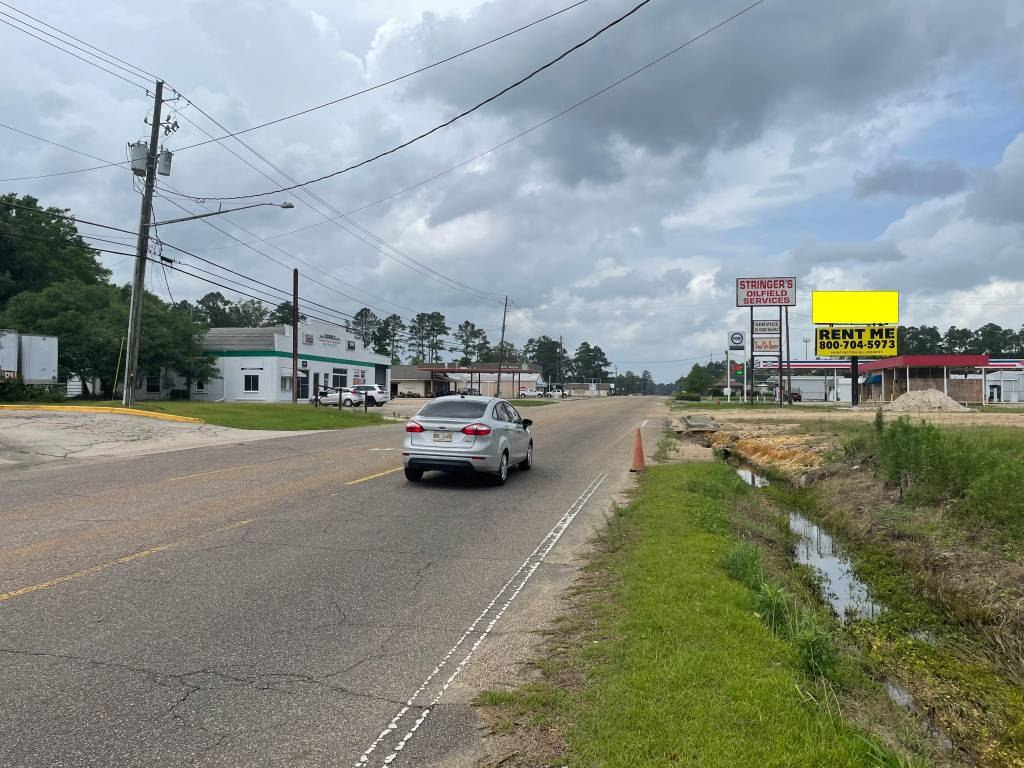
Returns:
point(375, 394)
point(348, 396)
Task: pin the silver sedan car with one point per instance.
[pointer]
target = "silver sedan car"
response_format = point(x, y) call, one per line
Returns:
point(467, 434)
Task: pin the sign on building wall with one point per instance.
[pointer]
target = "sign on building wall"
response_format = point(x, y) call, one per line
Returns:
point(863, 341)
point(767, 327)
point(765, 291)
point(855, 307)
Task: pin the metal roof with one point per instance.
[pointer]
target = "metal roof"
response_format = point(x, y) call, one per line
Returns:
point(242, 338)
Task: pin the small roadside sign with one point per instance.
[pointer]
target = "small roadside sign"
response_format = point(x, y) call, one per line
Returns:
point(767, 345)
point(737, 340)
point(767, 327)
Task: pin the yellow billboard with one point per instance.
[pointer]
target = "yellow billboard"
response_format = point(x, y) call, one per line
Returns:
point(855, 307)
point(862, 341)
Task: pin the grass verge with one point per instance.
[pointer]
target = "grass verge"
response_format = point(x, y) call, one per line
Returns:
point(271, 416)
point(664, 661)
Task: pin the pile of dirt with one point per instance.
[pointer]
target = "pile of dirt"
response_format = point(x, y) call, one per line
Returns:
point(925, 400)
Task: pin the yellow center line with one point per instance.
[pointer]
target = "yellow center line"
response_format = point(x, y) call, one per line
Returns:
point(110, 564)
point(373, 477)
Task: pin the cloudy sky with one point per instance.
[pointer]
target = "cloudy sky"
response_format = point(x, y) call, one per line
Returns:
point(876, 144)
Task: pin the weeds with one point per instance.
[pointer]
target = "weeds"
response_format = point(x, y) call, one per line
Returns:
point(775, 606)
point(982, 477)
point(743, 563)
point(815, 644)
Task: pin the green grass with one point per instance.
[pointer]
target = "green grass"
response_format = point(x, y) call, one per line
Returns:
point(530, 402)
point(272, 416)
point(674, 667)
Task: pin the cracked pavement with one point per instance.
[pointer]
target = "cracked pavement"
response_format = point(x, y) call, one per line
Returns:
point(292, 639)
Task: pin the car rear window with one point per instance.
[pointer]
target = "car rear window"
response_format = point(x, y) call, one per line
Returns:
point(454, 409)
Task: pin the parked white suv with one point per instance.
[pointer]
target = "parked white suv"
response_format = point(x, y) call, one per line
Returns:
point(530, 393)
point(375, 394)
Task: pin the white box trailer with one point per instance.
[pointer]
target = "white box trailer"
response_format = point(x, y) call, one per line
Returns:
point(8, 354)
point(38, 359)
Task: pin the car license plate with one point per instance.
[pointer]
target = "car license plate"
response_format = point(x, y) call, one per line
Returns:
point(442, 437)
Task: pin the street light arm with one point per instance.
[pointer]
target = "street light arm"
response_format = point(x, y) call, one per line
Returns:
point(217, 213)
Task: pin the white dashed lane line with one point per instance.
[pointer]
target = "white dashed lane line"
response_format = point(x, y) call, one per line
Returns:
point(383, 743)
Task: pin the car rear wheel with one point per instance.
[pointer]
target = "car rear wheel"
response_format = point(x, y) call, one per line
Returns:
point(348, 402)
point(413, 475)
point(527, 464)
point(502, 474)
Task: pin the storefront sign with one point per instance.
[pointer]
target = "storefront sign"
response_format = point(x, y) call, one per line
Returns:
point(766, 292)
point(767, 327)
point(855, 307)
point(767, 345)
point(862, 341)
point(330, 340)
point(737, 340)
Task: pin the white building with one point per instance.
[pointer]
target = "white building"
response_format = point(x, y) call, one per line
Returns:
point(255, 365)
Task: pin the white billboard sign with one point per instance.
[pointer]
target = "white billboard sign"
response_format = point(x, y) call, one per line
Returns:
point(767, 327)
point(766, 292)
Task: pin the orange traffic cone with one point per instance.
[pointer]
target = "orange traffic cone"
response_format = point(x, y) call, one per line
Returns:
point(638, 454)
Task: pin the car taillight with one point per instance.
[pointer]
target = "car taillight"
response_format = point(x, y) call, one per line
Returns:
point(412, 426)
point(476, 429)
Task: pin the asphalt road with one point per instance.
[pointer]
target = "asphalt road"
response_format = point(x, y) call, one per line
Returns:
point(286, 602)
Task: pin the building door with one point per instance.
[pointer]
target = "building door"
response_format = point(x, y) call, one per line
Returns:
point(316, 383)
point(303, 386)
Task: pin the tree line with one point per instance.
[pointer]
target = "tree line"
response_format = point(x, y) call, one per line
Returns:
point(990, 339)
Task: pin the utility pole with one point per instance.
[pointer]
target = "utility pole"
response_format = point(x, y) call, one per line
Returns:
point(295, 339)
point(141, 254)
point(501, 346)
point(560, 353)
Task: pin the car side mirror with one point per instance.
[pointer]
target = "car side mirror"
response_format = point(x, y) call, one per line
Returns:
point(527, 423)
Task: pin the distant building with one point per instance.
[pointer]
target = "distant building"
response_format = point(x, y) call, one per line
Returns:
point(255, 365)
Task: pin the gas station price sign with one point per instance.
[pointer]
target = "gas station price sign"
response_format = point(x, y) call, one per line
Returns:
point(861, 341)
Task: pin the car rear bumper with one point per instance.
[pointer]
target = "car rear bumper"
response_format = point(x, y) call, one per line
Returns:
point(467, 462)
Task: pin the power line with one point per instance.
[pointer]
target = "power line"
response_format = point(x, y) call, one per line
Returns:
point(452, 120)
point(535, 126)
point(83, 42)
point(412, 263)
point(65, 244)
point(4, 203)
point(392, 81)
point(69, 53)
point(62, 146)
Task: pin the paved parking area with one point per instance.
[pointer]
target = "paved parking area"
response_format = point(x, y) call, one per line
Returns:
point(35, 437)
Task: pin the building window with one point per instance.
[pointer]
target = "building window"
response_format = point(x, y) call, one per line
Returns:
point(286, 383)
point(358, 377)
point(200, 386)
point(153, 384)
point(351, 345)
point(339, 378)
point(251, 382)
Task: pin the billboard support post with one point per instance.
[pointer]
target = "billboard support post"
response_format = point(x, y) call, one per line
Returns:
point(854, 380)
point(751, 366)
point(782, 397)
point(789, 360)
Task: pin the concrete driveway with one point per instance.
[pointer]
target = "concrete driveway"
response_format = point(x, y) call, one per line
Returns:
point(34, 437)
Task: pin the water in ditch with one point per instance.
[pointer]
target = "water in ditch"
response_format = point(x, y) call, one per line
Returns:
point(839, 585)
point(841, 588)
